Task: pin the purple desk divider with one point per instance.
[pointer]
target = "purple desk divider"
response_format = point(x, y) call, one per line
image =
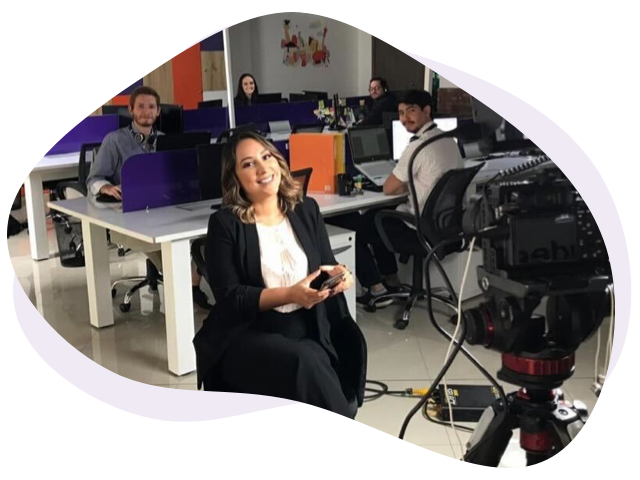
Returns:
point(271, 112)
point(301, 113)
point(246, 114)
point(214, 120)
point(283, 148)
point(90, 130)
point(152, 180)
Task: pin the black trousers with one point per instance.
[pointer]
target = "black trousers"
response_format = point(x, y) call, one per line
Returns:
point(281, 357)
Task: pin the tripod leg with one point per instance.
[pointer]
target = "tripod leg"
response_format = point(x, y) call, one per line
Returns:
point(533, 458)
point(491, 438)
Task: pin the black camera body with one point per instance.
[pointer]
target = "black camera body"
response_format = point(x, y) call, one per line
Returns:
point(539, 240)
point(541, 226)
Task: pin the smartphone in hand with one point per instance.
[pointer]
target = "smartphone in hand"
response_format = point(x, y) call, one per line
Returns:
point(332, 282)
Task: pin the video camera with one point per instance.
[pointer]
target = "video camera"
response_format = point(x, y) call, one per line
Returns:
point(539, 240)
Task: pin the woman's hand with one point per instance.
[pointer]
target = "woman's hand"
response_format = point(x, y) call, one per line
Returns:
point(304, 295)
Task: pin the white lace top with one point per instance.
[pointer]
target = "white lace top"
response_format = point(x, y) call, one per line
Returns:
point(282, 259)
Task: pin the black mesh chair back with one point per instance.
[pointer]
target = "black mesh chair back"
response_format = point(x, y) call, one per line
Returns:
point(88, 152)
point(303, 176)
point(197, 253)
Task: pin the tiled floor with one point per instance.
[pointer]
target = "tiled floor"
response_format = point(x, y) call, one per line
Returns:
point(136, 346)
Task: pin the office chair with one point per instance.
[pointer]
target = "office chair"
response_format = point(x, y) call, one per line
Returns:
point(152, 279)
point(88, 152)
point(79, 187)
point(197, 253)
point(70, 244)
point(441, 220)
point(303, 176)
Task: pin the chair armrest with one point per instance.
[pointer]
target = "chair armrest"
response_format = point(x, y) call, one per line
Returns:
point(61, 188)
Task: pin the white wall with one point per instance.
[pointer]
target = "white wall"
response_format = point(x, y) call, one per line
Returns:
point(365, 60)
point(241, 46)
point(255, 48)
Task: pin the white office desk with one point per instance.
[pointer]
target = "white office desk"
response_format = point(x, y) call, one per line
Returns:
point(173, 228)
point(331, 204)
point(51, 167)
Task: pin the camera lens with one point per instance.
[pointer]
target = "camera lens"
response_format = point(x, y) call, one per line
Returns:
point(480, 327)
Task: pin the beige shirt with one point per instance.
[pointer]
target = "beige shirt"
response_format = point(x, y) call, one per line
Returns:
point(431, 163)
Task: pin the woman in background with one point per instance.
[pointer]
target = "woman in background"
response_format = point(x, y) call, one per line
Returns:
point(247, 91)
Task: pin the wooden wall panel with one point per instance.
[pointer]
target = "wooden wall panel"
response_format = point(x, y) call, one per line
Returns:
point(213, 71)
point(161, 79)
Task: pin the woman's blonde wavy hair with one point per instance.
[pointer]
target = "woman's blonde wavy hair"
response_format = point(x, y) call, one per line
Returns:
point(234, 197)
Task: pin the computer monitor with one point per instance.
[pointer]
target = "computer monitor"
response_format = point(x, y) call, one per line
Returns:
point(269, 98)
point(369, 144)
point(210, 104)
point(401, 138)
point(358, 101)
point(210, 170)
point(170, 119)
point(301, 97)
point(115, 110)
point(308, 128)
point(124, 117)
point(316, 95)
point(446, 124)
point(182, 141)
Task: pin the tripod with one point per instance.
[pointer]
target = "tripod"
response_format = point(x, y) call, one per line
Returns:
point(547, 423)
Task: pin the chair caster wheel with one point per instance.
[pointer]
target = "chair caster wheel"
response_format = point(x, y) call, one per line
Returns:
point(113, 293)
point(121, 252)
point(125, 307)
point(401, 324)
point(371, 308)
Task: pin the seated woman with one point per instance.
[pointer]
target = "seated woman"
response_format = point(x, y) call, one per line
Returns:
point(272, 331)
point(247, 91)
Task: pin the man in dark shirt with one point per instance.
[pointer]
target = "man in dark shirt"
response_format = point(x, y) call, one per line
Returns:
point(383, 101)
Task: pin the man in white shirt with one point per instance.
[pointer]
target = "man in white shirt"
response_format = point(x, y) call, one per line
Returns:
point(414, 109)
point(432, 162)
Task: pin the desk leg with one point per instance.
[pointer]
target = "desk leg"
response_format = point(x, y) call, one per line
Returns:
point(34, 196)
point(42, 285)
point(96, 254)
point(178, 300)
